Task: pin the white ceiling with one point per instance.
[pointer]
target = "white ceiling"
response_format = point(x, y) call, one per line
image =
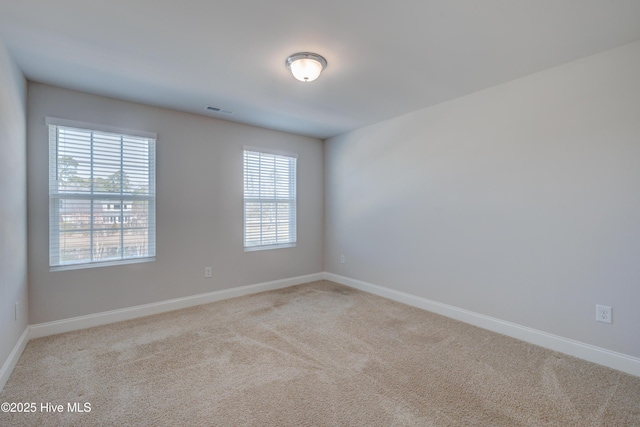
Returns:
point(385, 58)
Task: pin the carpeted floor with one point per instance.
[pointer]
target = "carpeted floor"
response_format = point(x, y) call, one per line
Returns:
point(319, 354)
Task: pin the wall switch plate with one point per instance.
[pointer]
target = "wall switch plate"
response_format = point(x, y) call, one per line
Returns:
point(342, 259)
point(15, 312)
point(603, 313)
point(208, 272)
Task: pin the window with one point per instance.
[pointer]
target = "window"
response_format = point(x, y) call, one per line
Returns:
point(269, 199)
point(101, 195)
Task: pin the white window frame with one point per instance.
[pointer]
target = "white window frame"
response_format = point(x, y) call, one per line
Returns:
point(289, 199)
point(54, 196)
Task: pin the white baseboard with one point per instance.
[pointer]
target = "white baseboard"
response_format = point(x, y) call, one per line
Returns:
point(591, 353)
point(611, 359)
point(98, 319)
point(12, 360)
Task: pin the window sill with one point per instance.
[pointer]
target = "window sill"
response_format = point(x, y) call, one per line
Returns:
point(64, 267)
point(267, 247)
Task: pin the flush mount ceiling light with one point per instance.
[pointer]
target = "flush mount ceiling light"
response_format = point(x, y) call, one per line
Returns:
point(306, 66)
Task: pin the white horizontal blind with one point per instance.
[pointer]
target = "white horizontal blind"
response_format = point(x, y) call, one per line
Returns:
point(101, 197)
point(269, 200)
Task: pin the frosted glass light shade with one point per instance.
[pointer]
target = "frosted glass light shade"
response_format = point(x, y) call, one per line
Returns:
point(306, 66)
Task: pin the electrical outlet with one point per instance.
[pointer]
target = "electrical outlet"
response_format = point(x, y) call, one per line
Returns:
point(208, 272)
point(15, 313)
point(603, 313)
point(342, 259)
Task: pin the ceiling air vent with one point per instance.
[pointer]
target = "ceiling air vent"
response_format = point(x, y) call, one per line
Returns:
point(218, 110)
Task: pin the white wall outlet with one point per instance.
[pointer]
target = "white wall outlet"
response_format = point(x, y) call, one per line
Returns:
point(342, 259)
point(15, 313)
point(603, 313)
point(208, 272)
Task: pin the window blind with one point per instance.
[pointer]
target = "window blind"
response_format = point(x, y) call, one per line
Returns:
point(101, 196)
point(269, 199)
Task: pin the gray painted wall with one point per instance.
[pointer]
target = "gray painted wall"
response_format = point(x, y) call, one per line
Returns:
point(13, 204)
point(199, 209)
point(520, 202)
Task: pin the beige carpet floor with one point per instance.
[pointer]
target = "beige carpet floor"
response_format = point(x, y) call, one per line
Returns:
point(312, 355)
